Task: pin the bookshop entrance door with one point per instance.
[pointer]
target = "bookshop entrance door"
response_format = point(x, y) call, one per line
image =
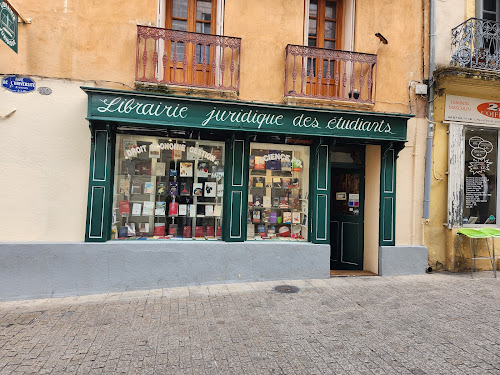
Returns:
point(346, 223)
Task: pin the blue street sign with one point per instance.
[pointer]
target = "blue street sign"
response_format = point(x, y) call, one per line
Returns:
point(18, 84)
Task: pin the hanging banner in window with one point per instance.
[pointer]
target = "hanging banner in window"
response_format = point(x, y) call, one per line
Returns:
point(8, 25)
point(462, 108)
point(480, 176)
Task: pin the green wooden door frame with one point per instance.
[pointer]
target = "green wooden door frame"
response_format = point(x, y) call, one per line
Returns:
point(236, 188)
point(100, 197)
point(387, 218)
point(319, 207)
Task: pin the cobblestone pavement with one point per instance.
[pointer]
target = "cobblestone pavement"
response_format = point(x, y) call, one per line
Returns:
point(431, 324)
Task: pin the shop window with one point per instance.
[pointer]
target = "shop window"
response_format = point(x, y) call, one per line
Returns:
point(278, 192)
point(168, 188)
point(480, 176)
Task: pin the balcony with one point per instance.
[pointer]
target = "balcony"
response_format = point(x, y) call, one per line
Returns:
point(190, 59)
point(320, 73)
point(475, 44)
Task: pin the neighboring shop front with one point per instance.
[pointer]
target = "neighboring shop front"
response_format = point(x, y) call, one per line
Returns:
point(284, 186)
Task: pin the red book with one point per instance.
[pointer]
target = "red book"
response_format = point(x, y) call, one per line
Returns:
point(198, 231)
point(219, 231)
point(173, 209)
point(210, 231)
point(186, 233)
point(159, 229)
point(124, 208)
point(172, 230)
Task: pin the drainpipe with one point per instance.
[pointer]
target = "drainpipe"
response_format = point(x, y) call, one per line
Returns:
point(430, 115)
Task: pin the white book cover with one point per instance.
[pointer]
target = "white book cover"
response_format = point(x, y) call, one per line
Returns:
point(220, 190)
point(250, 231)
point(131, 229)
point(147, 208)
point(209, 210)
point(182, 209)
point(149, 188)
point(192, 210)
point(186, 170)
point(210, 189)
point(136, 209)
point(218, 210)
point(296, 217)
point(160, 169)
point(266, 201)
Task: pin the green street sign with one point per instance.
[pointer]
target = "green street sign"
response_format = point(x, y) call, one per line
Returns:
point(8, 25)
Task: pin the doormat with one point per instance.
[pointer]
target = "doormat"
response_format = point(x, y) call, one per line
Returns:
point(345, 273)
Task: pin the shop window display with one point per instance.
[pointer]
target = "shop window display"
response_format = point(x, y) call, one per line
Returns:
point(278, 192)
point(168, 188)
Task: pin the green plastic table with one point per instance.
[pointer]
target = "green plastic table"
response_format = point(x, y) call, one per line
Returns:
point(474, 236)
point(493, 232)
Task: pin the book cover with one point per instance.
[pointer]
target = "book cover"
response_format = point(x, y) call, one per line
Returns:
point(136, 187)
point(123, 232)
point(304, 220)
point(276, 202)
point(294, 202)
point(200, 210)
point(172, 173)
point(160, 169)
point(287, 217)
point(218, 210)
point(198, 189)
point(283, 201)
point(279, 218)
point(131, 229)
point(273, 217)
point(209, 210)
point(251, 163)
point(202, 169)
point(147, 208)
point(265, 215)
point(296, 165)
point(143, 167)
point(173, 188)
point(173, 209)
point(154, 151)
point(274, 160)
point(218, 233)
point(295, 183)
point(286, 183)
point(220, 190)
point(124, 187)
point(148, 187)
point(161, 188)
point(144, 228)
point(271, 231)
point(250, 231)
point(286, 165)
point(210, 231)
point(182, 209)
point(128, 167)
point(192, 210)
point(260, 163)
point(217, 152)
point(186, 170)
point(177, 154)
point(172, 230)
point(269, 181)
point(277, 182)
point(124, 207)
point(186, 232)
point(256, 216)
point(266, 201)
point(210, 189)
point(185, 189)
point(198, 231)
point(296, 217)
point(129, 145)
point(258, 182)
point(257, 200)
point(250, 200)
point(261, 229)
point(160, 208)
point(159, 229)
point(136, 209)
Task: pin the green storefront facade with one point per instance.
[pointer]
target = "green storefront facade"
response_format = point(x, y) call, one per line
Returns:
point(112, 113)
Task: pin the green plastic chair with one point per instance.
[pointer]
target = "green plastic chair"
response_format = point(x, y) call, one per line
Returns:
point(474, 234)
point(494, 233)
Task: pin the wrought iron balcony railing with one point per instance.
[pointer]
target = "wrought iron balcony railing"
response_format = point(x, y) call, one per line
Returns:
point(330, 74)
point(187, 59)
point(476, 44)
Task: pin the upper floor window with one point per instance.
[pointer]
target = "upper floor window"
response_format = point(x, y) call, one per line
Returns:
point(325, 24)
point(488, 10)
point(191, 15)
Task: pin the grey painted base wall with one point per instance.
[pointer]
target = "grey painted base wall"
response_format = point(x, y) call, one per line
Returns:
point(39, 270)
point(402, 260)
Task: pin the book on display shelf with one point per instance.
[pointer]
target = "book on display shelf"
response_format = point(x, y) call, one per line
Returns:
point(160, 208)
point(124, 187)
point(136, 187)
point(185, 189)
point(124, 207)
point(160, 169)
point(250, 231)
point(257, 200)
point(173, 209)
point(198, 189)
point(287, 217)
point(218, 233)
point(210, 231)
point(172, 230)
point(273, 217)
point(186, 169)
point(218, 210)
point(161, 188)
point(260, 163)
point(147, 208)
point(131, 229)
point(192, 210)
point(149, 187)
point(295, 183)
point(172, 173)
point(202, 169)
point(186, 232)
point(258, 182)
point(128, 167)
point(159, 229)
point(277, 182)
point(251, 162)
point(198, 231)
point(173, 188)
point(286, 165)
point(220, 190)
point(210, 189)
point(136, 209)
point(144, 228)
point(296, 217)
point(284, 201)
point(154, 151)
point(256, 216)
point(209, 210)
point(266, 201)
point(274, 160)
point(183, 209)
point(129, 145)
point(286, 183)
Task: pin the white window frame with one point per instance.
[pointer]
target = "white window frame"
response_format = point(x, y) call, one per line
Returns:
point(480, 10)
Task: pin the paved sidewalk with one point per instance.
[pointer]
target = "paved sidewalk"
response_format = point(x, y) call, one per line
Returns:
point(433, 324)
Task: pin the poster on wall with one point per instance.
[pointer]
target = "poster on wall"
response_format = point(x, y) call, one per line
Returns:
point(462, 108)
